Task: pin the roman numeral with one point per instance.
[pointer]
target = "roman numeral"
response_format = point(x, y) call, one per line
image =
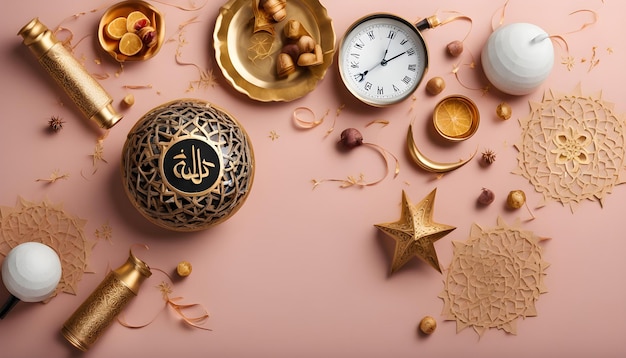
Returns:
point(370, 34)
point(391, 35)
point(410, 51)
point(380, 90)
point(406, 79)
point(355, 55)
point(396, 89)
point(403, 41)
point(412, 67)
point(359, 45)
point(368, 86)
point(354, 64)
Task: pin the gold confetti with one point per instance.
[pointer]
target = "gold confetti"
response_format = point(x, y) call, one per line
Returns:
point(98, 153)
point(273, 135)
point(137, 86)
point(383, 122)
point(56, 175)
point(165, 290)
point(105, 232)
point(568, 62)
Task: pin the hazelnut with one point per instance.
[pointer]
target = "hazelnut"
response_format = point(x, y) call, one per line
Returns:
point(311, 59)
point(294, 30)
point(486, 197)
point(435, 85)
point(350, 138)
point(292, 50)
point(428, 325)
point(306, 44)
point(276, 9)
point(183, 269)
point(284, 65)
point(455, 48)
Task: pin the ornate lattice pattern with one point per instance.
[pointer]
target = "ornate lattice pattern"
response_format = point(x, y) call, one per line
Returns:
point(48, 224)
point(495, 277)
point(143, 179)
point(572, 148)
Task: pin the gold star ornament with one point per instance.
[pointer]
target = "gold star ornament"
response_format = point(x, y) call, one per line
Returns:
point(415, 232)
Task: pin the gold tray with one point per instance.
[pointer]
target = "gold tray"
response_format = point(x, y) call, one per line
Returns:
point(248, 61)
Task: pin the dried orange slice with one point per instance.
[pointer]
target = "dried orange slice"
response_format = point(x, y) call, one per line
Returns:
point(456, 118)
point(116, 28)
point(130, 44)
point(134, 18)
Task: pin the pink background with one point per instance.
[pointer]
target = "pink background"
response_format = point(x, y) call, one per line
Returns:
point(300, 272)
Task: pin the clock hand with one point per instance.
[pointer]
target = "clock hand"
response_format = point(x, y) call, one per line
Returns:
point(361, 76)
point(384, 62)
point(386, 50)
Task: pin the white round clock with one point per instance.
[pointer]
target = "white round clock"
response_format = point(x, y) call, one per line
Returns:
point(383, 58)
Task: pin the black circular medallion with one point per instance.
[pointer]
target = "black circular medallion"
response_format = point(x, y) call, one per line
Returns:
point(191, 166)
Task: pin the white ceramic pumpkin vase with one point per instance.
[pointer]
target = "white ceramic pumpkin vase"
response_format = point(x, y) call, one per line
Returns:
point(518, 58)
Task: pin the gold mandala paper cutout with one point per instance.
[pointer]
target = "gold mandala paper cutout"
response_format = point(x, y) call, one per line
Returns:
point(495, 277)
point(572, 148)
point(49, 224)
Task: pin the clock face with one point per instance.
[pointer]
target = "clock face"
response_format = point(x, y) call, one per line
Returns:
point(382, 59)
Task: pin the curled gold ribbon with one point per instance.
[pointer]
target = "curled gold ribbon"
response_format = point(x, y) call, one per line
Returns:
point(301, 112)
point(359, 181)
point(178, 308)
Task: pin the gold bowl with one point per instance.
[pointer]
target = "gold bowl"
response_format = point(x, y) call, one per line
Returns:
point(123, 9)
point(456, 118)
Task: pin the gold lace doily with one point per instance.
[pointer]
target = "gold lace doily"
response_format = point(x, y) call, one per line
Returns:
point(572, 147)
point(495, 277)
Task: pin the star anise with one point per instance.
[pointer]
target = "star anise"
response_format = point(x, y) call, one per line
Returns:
point(489, 156)
point(56, 123)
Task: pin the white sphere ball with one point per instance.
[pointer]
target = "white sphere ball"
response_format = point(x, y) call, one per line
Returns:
point(31, 271)
point(518, 58)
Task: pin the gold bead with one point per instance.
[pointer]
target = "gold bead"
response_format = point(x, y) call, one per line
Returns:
point(128, 100)
point(504, 111)
point(183, 269)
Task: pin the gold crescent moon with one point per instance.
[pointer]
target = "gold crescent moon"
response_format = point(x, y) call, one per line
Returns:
point(430, 165)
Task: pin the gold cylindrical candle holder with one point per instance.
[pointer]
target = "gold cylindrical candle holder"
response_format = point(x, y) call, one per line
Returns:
point(92, 100)
point(101, 308)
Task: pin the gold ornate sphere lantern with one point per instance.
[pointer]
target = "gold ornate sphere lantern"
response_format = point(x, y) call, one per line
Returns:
point(187, 165)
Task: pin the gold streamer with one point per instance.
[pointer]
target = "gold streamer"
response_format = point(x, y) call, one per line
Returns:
point(307, 124)
point(360, 180)
point(587, 24)
point(183, 8)
point(166, 289)
point(458, 16)
point(493, 28)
